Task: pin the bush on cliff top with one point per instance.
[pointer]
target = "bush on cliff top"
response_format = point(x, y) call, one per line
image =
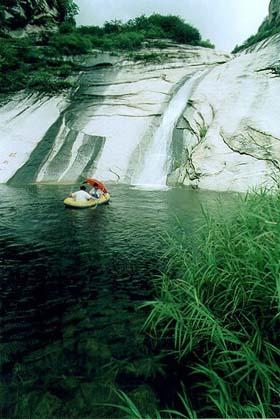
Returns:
point(117, 35)
point(20, 60)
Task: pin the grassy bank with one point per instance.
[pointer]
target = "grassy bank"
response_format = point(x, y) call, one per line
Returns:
point(217, 313)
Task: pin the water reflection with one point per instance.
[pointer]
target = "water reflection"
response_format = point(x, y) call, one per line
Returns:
point(71, 282)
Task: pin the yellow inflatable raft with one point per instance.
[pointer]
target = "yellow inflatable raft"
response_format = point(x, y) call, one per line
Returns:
point(71, 203)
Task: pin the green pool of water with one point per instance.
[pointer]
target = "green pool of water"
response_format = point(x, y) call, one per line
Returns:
point(71, 286)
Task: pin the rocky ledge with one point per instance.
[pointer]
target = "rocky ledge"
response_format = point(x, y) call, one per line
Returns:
point(228, 137)
point(107, 124)
point(230, 128)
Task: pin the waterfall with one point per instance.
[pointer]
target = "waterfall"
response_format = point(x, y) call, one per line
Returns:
point(155, 167)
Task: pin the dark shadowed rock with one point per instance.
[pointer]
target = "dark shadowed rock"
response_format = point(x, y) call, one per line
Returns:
point(274, 12)
point(31, 16)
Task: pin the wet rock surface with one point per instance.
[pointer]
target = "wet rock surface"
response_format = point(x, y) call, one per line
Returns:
point(226, 139)
point(231, 130)
point(115, 111)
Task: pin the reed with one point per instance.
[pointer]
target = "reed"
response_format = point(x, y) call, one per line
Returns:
point(217, 311)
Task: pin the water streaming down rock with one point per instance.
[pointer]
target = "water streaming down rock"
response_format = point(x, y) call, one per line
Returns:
point(104, 128)
point(156, 164)
point(228, 139)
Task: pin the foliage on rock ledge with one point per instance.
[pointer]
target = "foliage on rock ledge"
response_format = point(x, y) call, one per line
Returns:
point(25, 66)
point(40, 63)
point(130, 35)
point(268, 28)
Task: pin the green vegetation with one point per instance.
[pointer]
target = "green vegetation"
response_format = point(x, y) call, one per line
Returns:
point(202, 132)
point(148, 57)
point(23, 66)
point(40, 63)
point(218, 312)
point(264, 32)
point(130, 35)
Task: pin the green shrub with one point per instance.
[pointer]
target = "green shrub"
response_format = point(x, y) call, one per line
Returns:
point(12, 81)
point(258, 37)
point(115, 26)
point(153, 31)
point(13, 53)
point(98, 42)
point(140, 22)
point(202, 132)
point(118, 35)
point(71, 44)
point(147, 57)
point(21, 65)
point(66, 27)
point(108, 43)
point(176, 28)
point(65, 70)
point(129, 40)
point(90, 30)
point(44, 81)
point(205, 44)
point(29, 57)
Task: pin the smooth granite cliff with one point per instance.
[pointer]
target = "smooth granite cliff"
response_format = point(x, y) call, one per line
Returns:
point(230, 129)
point(217, 115)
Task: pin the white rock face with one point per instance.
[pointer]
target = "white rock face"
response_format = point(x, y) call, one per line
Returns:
point(23, 123)
point(232, 131)
point(228, 137)
point(105, 129)
point(131, 103)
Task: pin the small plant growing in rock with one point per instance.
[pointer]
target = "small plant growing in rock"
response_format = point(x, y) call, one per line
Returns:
point(202, 132)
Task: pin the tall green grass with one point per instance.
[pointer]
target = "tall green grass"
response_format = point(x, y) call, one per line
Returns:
point(217, 311)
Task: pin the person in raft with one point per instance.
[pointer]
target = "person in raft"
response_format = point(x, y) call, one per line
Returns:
point(95, 192)
point(81, 195)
